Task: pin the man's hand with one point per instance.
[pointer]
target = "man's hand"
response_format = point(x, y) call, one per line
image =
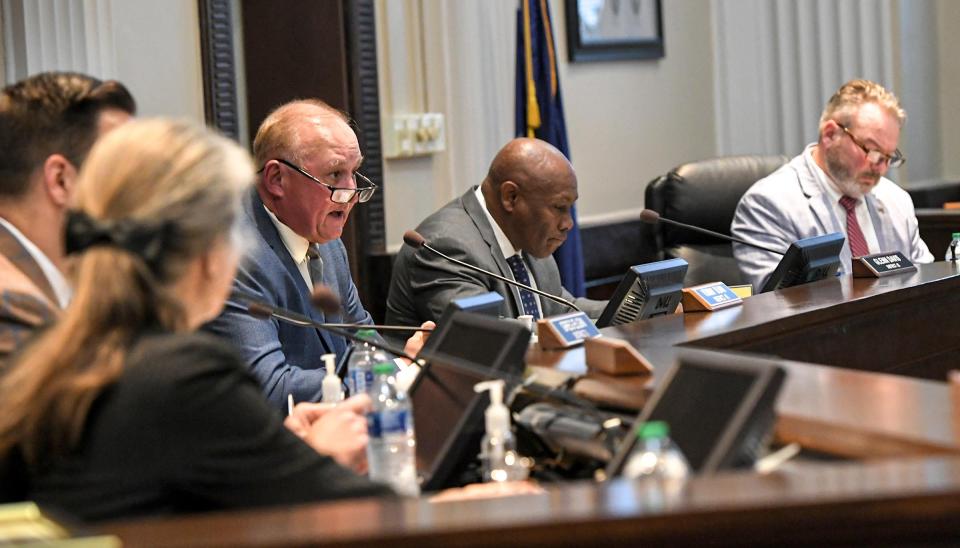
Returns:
point(339, 431)
point(416, 342)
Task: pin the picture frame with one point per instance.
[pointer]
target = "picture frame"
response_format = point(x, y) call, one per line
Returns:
point(610, 30)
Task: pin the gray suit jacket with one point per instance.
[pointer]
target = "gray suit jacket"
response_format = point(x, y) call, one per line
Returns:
point(791, 203)
point(285, 358)
point(423, 284)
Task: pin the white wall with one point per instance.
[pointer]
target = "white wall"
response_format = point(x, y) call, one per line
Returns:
point(152, 47)
point(627, 121)
point(630, 121)
point(158, 55)
point(948, 15)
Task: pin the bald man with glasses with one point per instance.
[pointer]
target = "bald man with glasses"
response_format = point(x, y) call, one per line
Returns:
point(836, 185)
point(308, 183)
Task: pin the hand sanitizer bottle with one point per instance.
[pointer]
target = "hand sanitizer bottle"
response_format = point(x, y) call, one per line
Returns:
point(332, 388)
point(498, 451)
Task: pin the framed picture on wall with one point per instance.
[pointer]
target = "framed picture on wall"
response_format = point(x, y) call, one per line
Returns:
point(607, 30)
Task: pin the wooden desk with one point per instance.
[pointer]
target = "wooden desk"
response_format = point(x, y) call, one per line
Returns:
point(905, 325)
point(874, 325)
point(894, 503)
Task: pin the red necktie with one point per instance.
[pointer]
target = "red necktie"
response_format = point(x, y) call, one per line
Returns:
point(858, 244)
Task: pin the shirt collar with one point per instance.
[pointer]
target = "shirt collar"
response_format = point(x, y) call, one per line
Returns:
point(506, 246)
point(825, 180)
point(61, 288)
point(296, 244)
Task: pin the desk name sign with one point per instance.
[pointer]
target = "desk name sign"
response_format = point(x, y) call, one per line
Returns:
point(710, 296)
point(879, 265)
point(565, 330)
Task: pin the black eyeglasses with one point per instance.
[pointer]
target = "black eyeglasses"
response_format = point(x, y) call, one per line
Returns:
point(875, 156)
point(338, 195)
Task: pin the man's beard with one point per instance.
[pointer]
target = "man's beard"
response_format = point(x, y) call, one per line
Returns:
point(846, 180)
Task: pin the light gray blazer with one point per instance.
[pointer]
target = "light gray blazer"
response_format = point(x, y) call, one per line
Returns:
point(791, 203)
point(424, 284)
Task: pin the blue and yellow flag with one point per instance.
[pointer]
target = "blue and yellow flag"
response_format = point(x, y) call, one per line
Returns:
point(539, 113)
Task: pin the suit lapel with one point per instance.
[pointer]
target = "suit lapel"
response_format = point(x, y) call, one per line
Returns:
point(268, 230)
point(479, 218)
point(886, 238)
point(13, 250)
point(824, 212)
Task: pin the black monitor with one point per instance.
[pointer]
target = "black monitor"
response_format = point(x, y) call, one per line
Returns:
point(487, 304)
point(719, 407)
point(647, 290)
point(807, 260)
point(448, 415)
point(479, 340)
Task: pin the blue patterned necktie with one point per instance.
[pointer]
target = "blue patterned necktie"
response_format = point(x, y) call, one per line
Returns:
point(314, 265)
point(527, 299)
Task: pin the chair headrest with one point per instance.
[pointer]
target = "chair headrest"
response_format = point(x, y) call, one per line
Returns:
point(706, 193)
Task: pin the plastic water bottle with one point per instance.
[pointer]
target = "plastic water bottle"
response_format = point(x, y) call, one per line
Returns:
point(655, 455)
point(391, 452)
point(953, 250)
point(361, 362)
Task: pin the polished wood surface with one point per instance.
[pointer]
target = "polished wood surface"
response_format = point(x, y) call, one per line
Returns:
point(905, 489)
point(875, 325)
point(891, 503)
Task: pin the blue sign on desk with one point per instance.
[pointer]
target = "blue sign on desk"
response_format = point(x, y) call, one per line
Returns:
point(573, 328)
point(716, 295)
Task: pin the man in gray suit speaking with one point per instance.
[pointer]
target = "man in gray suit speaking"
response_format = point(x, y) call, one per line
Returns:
point(836, 185)
point(510, 225)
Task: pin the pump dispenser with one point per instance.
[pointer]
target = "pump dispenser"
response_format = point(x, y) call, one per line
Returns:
point(498, 451)
point(332, 388)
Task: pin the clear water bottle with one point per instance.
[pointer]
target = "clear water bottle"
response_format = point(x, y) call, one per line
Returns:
point(391, 452)
point(953, 250)
point(655, 455)
point(361, 362)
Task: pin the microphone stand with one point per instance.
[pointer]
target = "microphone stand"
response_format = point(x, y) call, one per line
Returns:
point(263, 310)
point(418, 241)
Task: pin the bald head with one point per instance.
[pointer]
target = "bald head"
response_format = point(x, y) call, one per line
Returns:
point(285, 132)
point(530, 190)
point(304, 150)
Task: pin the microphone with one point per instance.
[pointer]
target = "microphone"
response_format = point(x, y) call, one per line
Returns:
point(323, 298)
point(413, 239)
point(650, 216)
point(262, 310)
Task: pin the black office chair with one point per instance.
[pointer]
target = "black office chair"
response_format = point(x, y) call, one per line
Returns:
point(704, 194)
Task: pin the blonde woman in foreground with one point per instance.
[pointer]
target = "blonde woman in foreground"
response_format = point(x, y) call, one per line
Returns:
point(120, 409)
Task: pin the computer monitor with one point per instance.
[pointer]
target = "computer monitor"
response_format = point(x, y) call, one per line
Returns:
point(807, 260)
point(448, 416)
point(719, 407)
point(488, 304)
point(647, 290)
point(480, 341)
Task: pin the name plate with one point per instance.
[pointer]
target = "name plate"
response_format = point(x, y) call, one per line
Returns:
point(565, 330)
point(879, 265)
point(710, 296)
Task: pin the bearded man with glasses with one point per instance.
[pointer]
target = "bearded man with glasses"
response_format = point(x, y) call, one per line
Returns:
point(308, 182)
point(837, 184)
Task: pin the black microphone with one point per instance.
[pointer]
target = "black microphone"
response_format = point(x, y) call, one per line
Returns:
point(413, 239)
point(650, 216)
point(259, 309)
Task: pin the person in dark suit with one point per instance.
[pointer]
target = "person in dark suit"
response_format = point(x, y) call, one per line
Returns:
point(120, 409)
point(308, 183)
point(48, 122)
point(511, 224)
